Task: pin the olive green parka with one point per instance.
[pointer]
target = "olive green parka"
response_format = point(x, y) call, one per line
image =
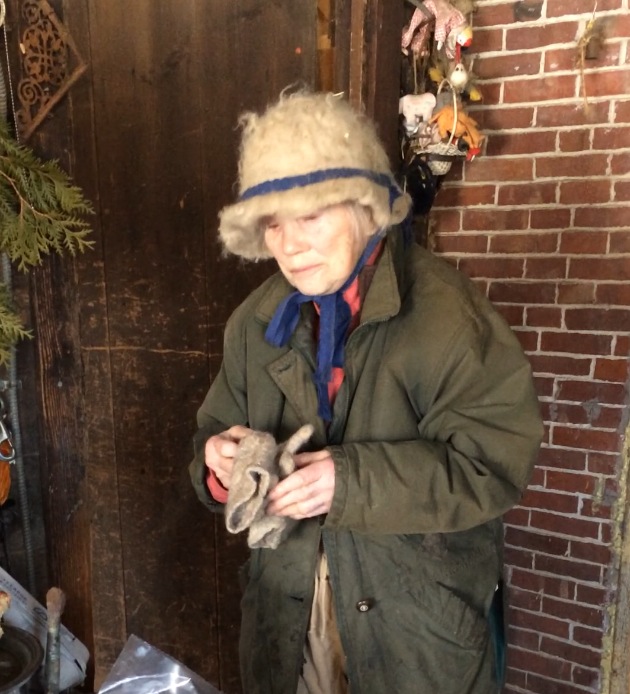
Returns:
point(435, 432)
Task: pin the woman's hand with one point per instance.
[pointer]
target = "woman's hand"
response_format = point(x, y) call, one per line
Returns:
point(308, 491)
point(220, 452)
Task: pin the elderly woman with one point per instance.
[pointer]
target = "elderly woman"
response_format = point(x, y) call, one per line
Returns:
point(426, 424)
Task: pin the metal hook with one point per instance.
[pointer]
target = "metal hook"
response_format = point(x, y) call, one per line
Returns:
point(7, 451)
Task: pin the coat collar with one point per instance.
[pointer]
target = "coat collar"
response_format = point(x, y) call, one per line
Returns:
point(383, 297)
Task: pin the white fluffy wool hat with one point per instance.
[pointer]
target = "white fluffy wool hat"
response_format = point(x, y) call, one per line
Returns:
point(306, 152)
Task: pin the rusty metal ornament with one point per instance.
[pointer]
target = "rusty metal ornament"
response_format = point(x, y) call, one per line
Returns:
point(51, 64)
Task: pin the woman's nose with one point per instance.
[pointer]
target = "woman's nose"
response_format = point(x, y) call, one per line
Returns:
point(293, 237)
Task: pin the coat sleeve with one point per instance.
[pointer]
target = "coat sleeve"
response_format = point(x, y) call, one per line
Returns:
point(225, 405)
point(477, 443)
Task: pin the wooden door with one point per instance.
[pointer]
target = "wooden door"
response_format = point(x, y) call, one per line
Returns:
point(130, 335)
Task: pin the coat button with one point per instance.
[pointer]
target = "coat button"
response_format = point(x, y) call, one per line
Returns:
point(364, 605)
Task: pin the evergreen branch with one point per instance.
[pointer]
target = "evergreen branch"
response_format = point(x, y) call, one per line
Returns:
point(41, 211)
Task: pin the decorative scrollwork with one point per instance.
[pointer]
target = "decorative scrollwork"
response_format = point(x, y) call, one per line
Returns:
point(51, 64)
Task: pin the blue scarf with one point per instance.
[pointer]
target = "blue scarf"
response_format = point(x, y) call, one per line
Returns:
point(334, 321)
point(334, 312)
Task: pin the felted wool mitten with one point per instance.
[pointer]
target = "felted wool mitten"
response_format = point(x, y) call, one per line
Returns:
point(259, 464)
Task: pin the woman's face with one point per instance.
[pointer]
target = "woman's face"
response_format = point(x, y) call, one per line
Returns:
point(316, 253)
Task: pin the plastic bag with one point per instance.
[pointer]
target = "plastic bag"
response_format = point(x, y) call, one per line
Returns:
point(144, 669)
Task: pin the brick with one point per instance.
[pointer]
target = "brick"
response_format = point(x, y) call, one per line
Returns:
point(540, 36)
point(563, 115)
point(528, 194)
point(571, 569)
point(577, 293)
point(508, 65)
point(588, 637)
point(550, 218)
point(615, 370)
point(607, 83)
point(500, 169)
point(622, 112)
point(613, 294)
point(620, 241)
point(512, 314)
point(601, 217)
point(500, 118)
point(562, 503)
point(576, 343)
point(496, 219)
point(582, 166)
point(539, 89)
point(556, 523)
point(583, 391)
point(599, 320)
point(621, 190)
point(603, 463)
point(585, 439)
point(563, 59)
point(462, 196)
point(546, 268)
point(620, 163)
point(493, 16)
point(460, 243)
point(560, 458)
point(582, 614)
point(591, 595)
point(517, 516)
point(591, 552)
point(537, 478)
point(574, 141)
point(487, 40)
point(573, 482)
point(592, 509)
point(571, 652)
point(618, 26)
point(528, 580)
point(544, 386)
point(523, 143)
point(585, 191)
point(543, 363)
point(519, 557)
point(525, 600)
point(523, 243)
point(543, 624)
point(537, 542)
point(543, 317)
point(558, 8)
point(585, 677)
point(445, 220)
point(491, 267)
point(611, 138)
point(491, 93)
point(529, 343)
point(522, 292)
point(600, 268)
point(585, 242)
point(622, 346)
point(519, 638)
point(541, 663)
point(593, 414)
point(541, 685)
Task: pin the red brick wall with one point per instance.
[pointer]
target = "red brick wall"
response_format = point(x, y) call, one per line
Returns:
point(541, 221)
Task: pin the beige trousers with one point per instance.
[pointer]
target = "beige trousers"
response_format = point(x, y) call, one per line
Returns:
point(324, 661)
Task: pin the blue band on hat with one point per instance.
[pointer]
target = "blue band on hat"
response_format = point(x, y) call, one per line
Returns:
point(279, 185)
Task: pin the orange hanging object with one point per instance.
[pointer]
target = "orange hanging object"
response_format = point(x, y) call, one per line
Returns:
point(5, 481)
